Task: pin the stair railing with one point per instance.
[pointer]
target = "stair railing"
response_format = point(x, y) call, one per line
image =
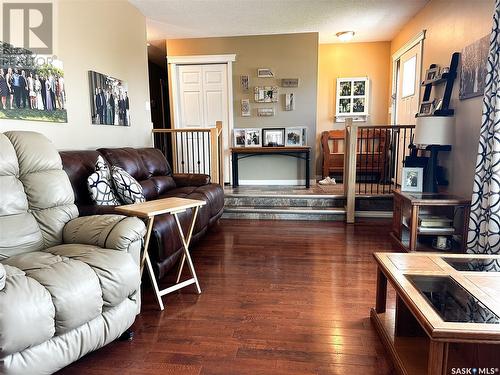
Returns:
point(193, 150)
point(374, 159)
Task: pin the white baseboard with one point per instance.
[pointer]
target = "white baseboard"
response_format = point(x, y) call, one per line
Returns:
point(275, 182)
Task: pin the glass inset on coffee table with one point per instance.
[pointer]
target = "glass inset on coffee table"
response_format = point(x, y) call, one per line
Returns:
point(451, 301)
point(474, 264)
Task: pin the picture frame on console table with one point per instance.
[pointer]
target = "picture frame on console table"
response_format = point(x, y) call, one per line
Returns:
point(294, 137)
point(239, 137)
point(273, 137)
point(253, 137)
point(412, 179)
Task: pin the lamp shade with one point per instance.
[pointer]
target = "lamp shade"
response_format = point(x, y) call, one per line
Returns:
point(434, 130)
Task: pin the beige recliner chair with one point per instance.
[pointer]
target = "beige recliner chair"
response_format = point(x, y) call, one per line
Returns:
point(68, 285)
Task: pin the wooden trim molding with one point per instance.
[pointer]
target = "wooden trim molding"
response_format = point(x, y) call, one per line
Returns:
point(409, 44)
point(202, 59)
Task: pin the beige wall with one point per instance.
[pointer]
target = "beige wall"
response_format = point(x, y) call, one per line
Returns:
point(111, 41)
point(290, 56)
point(451, 25)
point(352, 60)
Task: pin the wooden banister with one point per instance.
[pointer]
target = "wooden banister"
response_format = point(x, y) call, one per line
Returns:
point(351, 141)
point(194, 142)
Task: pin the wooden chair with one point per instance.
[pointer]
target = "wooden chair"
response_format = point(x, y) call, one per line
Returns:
point(371, 152)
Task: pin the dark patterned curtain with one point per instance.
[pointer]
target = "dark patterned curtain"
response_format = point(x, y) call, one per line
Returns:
point(484, 224)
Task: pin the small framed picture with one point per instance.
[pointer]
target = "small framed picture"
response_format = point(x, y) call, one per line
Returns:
point(293, 136)
point(432, 74)
point(239, 137)
point(265, 73)
point(304, 136)
point(266, 94)
point(244, 80)
point(439, 105)
point(289, 82)
point(252, 137)
point(265, 112)
point(412, 179)
point(273, 137)
point(426, 108)
point(289, 101)
point(245, 107)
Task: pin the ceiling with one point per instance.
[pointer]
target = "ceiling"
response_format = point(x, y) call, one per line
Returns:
point(372, 20)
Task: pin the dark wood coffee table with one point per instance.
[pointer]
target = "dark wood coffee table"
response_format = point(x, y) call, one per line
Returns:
point(447, 313)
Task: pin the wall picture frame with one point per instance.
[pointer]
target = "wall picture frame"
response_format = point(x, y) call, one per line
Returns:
point(265, 73)
point(244, 82)
point(265, 112)
point(273, 137)
point(253, 137)
point(293, 137)
point(266, 94)
point(352, 98)
point(245, 108)
point(289, 101)
point(239, 137)
point(289, 82)
point(473, 68)
point(110, 103)
point(412, 179)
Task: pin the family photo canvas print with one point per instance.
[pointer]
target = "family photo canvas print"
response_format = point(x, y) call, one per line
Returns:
point(473, 68)
point(31, 87)
point(109, 101)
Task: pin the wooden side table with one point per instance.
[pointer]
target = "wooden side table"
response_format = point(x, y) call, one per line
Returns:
point(174, 206)
point(410, 208)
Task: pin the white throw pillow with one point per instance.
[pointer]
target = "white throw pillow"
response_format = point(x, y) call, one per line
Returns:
point(100, 185)
point(128, 189)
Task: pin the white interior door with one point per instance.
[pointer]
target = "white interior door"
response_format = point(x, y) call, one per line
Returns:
point(408, 68)
point(203, 100)
point(408, 86)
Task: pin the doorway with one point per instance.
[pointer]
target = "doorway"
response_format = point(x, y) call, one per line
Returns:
point(201, 95)
point(406, 85)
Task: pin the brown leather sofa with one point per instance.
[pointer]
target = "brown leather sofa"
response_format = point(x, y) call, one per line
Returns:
point(150, 168)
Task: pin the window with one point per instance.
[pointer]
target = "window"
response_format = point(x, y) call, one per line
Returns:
point(409, 75)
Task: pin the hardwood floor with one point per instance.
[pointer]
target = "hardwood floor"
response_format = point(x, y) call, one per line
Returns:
point(278, 298)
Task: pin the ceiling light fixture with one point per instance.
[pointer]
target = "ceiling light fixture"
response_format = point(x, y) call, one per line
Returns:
point(345, 36)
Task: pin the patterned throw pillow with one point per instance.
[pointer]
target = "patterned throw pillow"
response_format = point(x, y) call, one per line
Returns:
point(100, 185)
point(128, 189)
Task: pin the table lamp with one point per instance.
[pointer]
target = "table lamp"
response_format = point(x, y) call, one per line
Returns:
point(434, 134)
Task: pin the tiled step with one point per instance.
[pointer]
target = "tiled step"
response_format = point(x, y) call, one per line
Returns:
point(284, 201)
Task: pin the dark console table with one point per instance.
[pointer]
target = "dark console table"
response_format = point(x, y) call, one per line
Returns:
point(299, 152)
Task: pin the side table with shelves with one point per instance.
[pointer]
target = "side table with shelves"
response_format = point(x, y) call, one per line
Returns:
point(412, 211)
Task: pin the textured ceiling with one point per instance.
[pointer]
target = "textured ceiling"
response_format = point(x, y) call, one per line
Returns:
point(372, 20)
